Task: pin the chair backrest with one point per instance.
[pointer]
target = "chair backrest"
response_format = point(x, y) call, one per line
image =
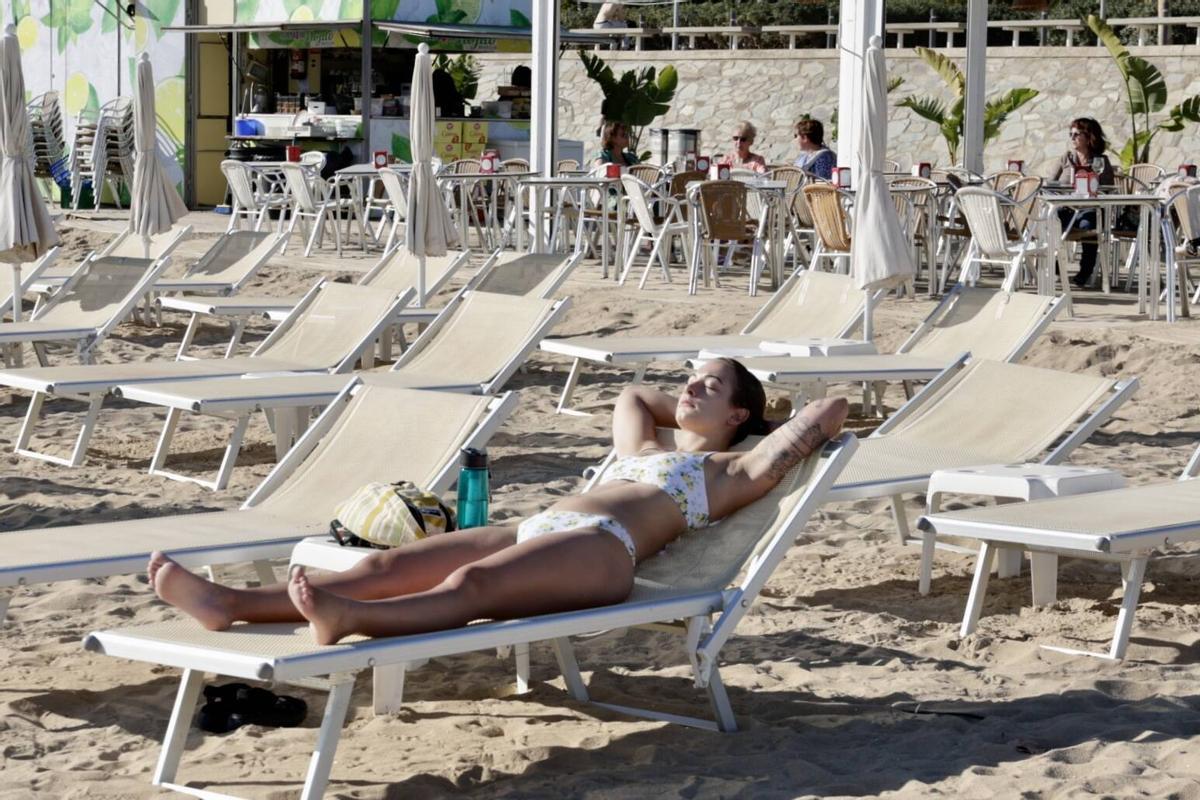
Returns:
point(984, 210)
point(566, 165)
point(810, 303)
point(514, 165)
point(480, 336)
point(635, 193)
point(1000, 180)
point(1012, 412)
point(828, 216)
point(397, 271)
point(891, 165)
point(649, 174)
point(1146, 174)
point(1186, 205)
point(794, 177)
point(236, 256)
point(1024, 194)
point(464, 166)
point(395, 186)
point(680, 181)
point(386, 434)
point(332, 329)
point(989, 323)
point(97, 292)
point(528, 274)
point(296, 178)
point(237, 175)
point(911, 196)
point(314, 160)
point(723, 210)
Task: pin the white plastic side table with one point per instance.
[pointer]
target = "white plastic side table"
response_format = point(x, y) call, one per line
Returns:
point(819, 346)
point(1015, 482)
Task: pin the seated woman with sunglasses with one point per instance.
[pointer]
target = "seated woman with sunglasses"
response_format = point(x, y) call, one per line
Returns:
point(614, 146)
point(580, 553)
point(1088, 145)
point(741, 157)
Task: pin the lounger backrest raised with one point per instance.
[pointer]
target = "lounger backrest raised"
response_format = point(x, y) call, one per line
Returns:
point(127, 245)
point(235, 256)
point(480, 338)
point(374, 441)
point(535, 275)
point(397, 270)
point(987, 323)
point(331, 326)
point(811, 303)
point(1010, 411)
point(99, 290)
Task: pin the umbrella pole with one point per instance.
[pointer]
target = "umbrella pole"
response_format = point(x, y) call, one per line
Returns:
point(421, 281)
point(16, 298)
point(868, 324)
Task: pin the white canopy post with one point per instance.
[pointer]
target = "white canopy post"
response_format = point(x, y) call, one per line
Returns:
point(860, 20)
point(543, 136)
point(976, 85)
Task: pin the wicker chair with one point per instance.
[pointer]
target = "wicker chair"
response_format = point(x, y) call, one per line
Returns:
point(724, 216)
point(830, 222)
point(649, 174)
point(566, 165)
point(999, 181)
point(915, 200)
point(1184, 204)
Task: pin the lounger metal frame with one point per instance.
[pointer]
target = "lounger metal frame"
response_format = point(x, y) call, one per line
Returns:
point(708, 617)
point(93, 392)
point(1131, 549)
point(77, 565)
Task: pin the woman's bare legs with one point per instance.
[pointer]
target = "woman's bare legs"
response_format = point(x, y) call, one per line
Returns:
point(384, 573)
point(554, 572)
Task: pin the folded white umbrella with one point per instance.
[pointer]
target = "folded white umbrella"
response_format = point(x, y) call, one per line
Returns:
point(155, 205)
point(429, 229)
point(26, 230)
point(880, 256)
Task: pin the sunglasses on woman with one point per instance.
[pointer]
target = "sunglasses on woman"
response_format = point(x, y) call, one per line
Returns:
point(742, 139)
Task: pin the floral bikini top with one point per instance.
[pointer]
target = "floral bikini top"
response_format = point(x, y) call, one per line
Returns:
point(680, 475)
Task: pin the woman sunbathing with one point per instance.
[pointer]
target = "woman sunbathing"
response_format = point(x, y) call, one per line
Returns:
point(579, 553)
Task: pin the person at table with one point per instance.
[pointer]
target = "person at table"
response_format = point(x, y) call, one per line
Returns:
point(1088, 145)
point(742, 157)
point(614, 146)
point(815, 158)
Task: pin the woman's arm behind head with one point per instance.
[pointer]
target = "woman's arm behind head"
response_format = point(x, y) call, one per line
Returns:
point(792, 442)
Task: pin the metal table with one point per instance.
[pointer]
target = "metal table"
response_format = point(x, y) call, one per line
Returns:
point(587, 188)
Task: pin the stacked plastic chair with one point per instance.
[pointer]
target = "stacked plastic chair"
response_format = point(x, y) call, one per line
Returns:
point(46, 124)
point(103, 151)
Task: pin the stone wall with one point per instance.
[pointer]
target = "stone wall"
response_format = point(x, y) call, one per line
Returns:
point(772, 88)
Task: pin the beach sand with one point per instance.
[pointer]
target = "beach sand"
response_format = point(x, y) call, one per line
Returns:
point(846, 682)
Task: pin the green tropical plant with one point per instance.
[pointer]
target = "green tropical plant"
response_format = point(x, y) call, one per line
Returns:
point(464, 70)
point(949, 117)
point(636, 99)
point(1145, 94)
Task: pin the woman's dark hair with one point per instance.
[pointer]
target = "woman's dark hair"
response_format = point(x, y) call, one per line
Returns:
point(812, 130)
point(608, 129)
point(747, 393)
point(1094, 134)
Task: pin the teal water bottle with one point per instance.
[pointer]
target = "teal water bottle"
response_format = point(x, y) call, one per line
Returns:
point(473, 489)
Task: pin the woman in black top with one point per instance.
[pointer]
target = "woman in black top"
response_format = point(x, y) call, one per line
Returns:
point(1087, 152)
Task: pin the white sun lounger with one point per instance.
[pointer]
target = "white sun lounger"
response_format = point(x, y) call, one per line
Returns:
point(989, 412)
point(1121, 525)
point(707, 580)
point(978, 323)
point(396, 270)
point(369, 433)
point(162, 245)
point(336, 326)
point(821, 305)
point(100, 294)
point(29, 274)
point(475, 345)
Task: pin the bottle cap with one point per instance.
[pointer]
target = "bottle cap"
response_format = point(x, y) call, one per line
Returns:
point(474, 459)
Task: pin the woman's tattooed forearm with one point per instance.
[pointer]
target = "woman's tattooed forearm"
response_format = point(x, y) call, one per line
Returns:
point(795, 441)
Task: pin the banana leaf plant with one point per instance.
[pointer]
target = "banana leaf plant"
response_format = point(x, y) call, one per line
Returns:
point(949, 116)
point(1145, 94)
point(636, 98)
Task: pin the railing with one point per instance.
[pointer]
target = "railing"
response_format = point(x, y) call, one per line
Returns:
point(1150, 30)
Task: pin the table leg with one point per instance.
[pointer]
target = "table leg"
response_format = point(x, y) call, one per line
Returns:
point(1152, 261)
point(1143, 235)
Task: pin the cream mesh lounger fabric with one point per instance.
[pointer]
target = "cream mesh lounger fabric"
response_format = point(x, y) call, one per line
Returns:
point(336, 321)
point(784, 369)
point(400, 272)
point(989, 324)
point(992, 412)
point(1112, 521)
point(482, 335)
point(133, 246)
point(819, 304)
point(527, 275)
point(238, 252)
point(97, 295)
point(386, 435)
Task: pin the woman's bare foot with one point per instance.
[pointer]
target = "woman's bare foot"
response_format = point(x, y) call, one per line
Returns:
point(325, 612)
point(189, 593)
